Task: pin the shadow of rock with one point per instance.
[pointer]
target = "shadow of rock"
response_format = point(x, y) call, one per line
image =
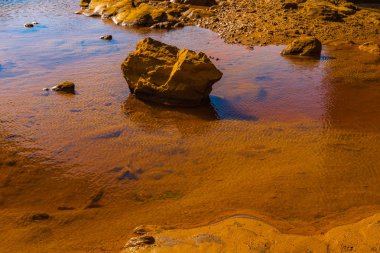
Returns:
point(226, 111)
point(151, 116)
point(304, 62)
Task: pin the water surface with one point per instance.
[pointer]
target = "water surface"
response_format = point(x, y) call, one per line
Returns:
point(294, 141)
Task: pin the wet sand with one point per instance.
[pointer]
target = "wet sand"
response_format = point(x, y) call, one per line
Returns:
point(293, 143)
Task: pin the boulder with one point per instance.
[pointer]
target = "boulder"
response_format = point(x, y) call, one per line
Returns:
point(167, 75)
point(304, 46)
point(370, 47)
point(65, 86)
point(126, 12)
point(84, 3)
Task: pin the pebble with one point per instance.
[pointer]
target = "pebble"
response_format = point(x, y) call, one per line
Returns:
point(28, 25)
point(106, 37)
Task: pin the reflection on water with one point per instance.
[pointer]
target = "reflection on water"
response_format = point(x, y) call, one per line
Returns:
point(286, 137)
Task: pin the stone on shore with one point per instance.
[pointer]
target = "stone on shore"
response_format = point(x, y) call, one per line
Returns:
point(167, 75)
point(140, 241)
point(370, 47)
point(65, 86)
point(304, 46)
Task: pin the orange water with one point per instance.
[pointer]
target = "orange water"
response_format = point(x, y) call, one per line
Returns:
point(294, 140)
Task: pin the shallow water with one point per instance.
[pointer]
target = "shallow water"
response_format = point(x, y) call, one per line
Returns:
point(291, 139)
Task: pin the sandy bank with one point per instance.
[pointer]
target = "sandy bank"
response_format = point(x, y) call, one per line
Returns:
point(250, 235)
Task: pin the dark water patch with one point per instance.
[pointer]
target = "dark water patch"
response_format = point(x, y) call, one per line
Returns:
point(263, 78)
point(110, 135)
point(127, 175)
point(226, 111)
point(261, 95)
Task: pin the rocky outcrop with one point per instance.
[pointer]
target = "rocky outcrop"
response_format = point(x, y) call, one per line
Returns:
point(328, 11)
point(370, 47)
point(139, 13)
point(304, 46)
point(167, 75)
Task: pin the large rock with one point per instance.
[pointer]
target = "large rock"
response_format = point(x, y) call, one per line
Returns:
point(304, 46)
point(165, 74)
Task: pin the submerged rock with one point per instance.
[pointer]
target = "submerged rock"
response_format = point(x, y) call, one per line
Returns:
point(145, 229)
point(370, 47)
point(40, 216)
point(304, 46)
point(106, 37)
point(165, 74)
point(65, 86)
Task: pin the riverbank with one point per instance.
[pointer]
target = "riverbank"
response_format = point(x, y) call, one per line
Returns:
point(251, 235)
point(252, 22)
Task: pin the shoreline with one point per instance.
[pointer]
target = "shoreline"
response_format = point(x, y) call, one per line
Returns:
point(249, 235)
point(259, 23)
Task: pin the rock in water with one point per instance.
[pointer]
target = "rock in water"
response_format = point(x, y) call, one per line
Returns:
point(165, 74)
point(65, 86)
point(106, 37)
point(28, 25)
point(304, 46)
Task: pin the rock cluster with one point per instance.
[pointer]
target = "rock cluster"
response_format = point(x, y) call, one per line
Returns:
point(248, 22)
point(158, 14)
point(167, 75)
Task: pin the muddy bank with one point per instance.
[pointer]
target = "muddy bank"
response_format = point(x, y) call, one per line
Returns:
point(250, 22)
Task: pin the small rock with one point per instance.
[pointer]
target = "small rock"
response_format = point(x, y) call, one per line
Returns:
point(304, 46)
point(45, 89)
point(140, 241)
point(106, 37)
point(28, 25)
point(290, 6)
point(78, 12)
point(179, 25)
point(35, 23)
point(145, 229)
point(65, 86)
point(162, 25)
point(40, 216)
